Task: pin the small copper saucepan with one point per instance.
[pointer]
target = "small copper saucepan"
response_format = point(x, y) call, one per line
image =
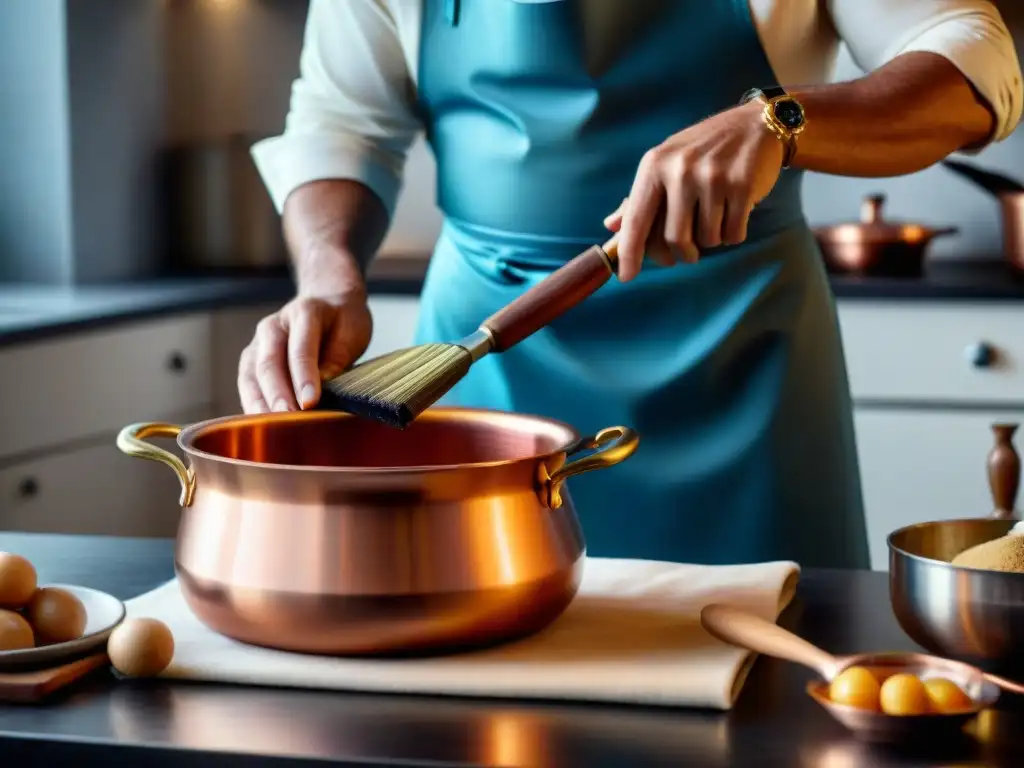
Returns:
point(325, 533)
point(874, 246)
point(1010, 194)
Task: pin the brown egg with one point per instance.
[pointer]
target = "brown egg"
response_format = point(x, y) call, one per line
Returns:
point(141, 647)
point(17, 580)
point(56, 615)
point(15, 633)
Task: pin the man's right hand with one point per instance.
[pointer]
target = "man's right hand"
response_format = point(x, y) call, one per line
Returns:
point(311, 338)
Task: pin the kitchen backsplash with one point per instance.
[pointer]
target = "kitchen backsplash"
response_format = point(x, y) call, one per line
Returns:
point(136, 75)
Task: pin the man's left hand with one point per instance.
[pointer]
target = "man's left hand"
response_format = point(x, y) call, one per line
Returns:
point(696, 190)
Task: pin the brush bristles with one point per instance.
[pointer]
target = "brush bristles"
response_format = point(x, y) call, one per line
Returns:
point(398, 387)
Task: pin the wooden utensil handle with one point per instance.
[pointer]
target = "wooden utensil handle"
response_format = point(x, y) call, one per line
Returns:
point(1006, 685)
point(745, 630)
point(1004, 471)
point(559, 292)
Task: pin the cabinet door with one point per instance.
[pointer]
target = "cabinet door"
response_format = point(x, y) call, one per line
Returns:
point(92, 488)
point(934, 352)
point(88, 384)
point(923, 465)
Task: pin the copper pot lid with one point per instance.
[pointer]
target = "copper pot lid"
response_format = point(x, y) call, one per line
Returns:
point(874, 228)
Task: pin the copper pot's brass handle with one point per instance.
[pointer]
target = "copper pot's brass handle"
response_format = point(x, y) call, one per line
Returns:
point(614, 444)
point(132, 441)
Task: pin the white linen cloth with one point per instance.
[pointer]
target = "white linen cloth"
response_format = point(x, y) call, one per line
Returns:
point(632, 635)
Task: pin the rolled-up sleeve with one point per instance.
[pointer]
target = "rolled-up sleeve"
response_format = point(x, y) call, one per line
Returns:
point(351, 114)
point(969, 33)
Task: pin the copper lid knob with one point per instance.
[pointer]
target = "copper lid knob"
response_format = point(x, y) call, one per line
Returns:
point(871, 209)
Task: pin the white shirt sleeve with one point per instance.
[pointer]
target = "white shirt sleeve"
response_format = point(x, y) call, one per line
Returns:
point(970, 33)
point(351, 114)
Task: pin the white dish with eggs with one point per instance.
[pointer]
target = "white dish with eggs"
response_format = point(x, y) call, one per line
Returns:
point(103, 613)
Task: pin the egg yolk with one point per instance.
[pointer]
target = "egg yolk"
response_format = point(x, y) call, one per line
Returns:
point(904, 694)
point(946, 696)
point(855, 687)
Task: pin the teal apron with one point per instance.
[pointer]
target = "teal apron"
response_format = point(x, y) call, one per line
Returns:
point(731, 369)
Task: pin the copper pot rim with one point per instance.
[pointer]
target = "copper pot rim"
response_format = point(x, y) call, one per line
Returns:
point(568, 436)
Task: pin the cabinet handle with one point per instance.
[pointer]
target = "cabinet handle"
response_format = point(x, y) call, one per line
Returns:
point(177, 363)
point(980, 354)
point(28, 488)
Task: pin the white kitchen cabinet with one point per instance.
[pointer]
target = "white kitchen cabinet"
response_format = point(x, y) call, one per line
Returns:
point(83, 385)
point(924, 406)
point(934, 352)
point(64, 399)
point(920, 465)
point(92, 488)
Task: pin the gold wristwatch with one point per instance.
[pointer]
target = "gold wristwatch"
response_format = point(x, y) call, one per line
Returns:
point(783, 115)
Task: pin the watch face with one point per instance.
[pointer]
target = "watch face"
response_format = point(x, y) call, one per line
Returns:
point(789, 113)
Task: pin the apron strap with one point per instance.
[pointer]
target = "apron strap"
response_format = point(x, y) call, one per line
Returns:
point(451, 12)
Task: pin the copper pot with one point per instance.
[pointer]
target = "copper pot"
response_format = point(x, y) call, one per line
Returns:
point(325, 533)
point(1011, 206)
point(874, 246)
point(1010, 194)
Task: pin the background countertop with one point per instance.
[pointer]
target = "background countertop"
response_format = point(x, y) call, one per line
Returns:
point(33, 312)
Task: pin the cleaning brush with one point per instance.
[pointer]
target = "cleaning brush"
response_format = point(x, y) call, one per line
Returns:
point(397, 387)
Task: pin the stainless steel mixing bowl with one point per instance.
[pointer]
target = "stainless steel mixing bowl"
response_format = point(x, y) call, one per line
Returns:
point(964, 613)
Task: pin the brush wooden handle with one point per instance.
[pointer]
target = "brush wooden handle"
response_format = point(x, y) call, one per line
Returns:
point(559, 292)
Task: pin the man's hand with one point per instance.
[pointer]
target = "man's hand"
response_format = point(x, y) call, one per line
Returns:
point(696, 190)
point(332, 227)
point(309, 339)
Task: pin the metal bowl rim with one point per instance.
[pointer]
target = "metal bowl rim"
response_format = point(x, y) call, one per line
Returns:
point(943, 563)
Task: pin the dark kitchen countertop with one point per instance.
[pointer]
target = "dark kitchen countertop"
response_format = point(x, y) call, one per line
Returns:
point(30, 312)
point(944, 280)
point(161, 724)
point(34, 312)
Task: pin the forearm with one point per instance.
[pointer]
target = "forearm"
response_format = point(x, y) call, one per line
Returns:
point(901, 118)
point(333, 229)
